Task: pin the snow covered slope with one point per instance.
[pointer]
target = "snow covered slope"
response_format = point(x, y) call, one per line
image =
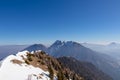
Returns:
point(36, 65)
point(0, 63)
point(15, 68)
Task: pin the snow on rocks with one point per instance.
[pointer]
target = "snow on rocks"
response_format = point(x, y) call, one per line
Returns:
point(11, 71)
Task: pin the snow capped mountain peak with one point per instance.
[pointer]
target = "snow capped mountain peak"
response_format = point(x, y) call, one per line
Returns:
point(14, 67)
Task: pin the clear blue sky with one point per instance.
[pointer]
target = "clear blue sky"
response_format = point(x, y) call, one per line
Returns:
point(44, 21)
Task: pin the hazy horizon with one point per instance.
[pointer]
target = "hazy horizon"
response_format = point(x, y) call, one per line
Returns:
point(48, 44)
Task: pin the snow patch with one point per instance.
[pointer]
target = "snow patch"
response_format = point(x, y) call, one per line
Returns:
point(11, 71)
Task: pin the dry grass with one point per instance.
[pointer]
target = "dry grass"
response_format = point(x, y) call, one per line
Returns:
point(44, 61)
point(15, 61)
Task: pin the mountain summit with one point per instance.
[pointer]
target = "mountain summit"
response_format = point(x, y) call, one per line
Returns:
point(35, 47)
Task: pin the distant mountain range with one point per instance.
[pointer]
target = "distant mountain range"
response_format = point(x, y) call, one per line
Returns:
point(108, 49)
point(112, 49)
point(102, 61)
point(81, 52)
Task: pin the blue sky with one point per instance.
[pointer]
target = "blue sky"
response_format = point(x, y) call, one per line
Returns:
point(44, 21)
